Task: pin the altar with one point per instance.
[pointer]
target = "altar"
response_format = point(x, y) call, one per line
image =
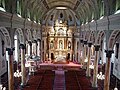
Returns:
point(59, 43)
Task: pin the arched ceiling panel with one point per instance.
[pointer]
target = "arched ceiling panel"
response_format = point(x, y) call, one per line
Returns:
point(80, 7)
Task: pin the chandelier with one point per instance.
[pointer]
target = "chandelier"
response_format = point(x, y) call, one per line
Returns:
point(100, 76)
point(17, 73)
point(86, 60)
point(115, 88)
point(2, 88)
point(91, 66)
point(116, 85)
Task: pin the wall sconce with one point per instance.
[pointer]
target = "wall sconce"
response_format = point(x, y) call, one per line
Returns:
point(2, 88)
point(100, 76)
point(17, 74)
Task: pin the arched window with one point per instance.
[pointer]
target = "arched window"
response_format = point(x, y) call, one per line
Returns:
point(28, 13)
point(117, 50)
point(70, 18)
point(117, 6)
point(2, 5)
point(51, 17)
point(18, 7)
point(61, 15)
point(102, 9)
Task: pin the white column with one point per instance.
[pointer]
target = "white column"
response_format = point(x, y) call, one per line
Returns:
point(38, 48)
point(89, 59)
point(34, 47)
point(30, 48)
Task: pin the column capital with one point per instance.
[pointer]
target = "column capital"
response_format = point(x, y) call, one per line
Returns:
point(85, 42)
point(22, 46)
point(30, 43)
point(109, 53)
point(97, 47)
point(10, 50)
point(34, 41)
point(38, 40)
point(89, 44)
point(81, 40)
point(117, 45)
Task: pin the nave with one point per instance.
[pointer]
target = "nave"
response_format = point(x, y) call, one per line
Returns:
point(61, 77)
point(52, 38)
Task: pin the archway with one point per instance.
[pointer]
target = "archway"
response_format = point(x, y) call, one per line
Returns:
point(28, 42)
point(5, 42)
point(101, 40)
point(18, 39)
point(114, 44)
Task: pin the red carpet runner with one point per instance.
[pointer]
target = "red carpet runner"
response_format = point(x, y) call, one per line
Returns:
point(59, 82)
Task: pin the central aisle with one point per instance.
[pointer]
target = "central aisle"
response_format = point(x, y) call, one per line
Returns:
point(59, 82)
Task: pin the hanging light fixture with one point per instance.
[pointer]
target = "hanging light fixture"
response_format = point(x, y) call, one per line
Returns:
point(116, 85)
point(100, 76)
point(91, 66)
point(17, 73)
point(86, 59)
point(115, 88)
point(2, 88)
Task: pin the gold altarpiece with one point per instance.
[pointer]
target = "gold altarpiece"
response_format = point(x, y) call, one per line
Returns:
point(60, 39)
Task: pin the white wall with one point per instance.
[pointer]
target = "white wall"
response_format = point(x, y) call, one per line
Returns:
point(3, 67)
point(116, 67)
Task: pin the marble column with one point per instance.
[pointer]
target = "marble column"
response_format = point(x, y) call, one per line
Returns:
point(84, 54)
point(10, 69)
point(34, 45)
point(38, 48)
point(107, 69)
point(89, 59)
point(23, 70)
point(30, 47)
point(95, 72)
point(73, 40)
point(47, 45)
point(81, 49)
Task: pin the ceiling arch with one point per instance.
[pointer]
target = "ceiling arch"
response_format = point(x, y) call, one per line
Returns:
point(82, 8)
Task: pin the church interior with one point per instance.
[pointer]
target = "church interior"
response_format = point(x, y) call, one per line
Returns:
point(59, 44)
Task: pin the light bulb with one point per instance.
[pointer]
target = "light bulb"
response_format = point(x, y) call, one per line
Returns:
point(115, 88)
point(4, 88)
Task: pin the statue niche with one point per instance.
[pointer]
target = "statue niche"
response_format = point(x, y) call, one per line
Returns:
point(60, 44)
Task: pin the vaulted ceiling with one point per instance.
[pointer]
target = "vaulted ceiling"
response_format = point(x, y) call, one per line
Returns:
point(82, 8)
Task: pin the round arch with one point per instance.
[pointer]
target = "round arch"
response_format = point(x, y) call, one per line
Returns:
point(85, 35)
point(38, 34)
point(91, 37)
point(5, 32)
point(100, 37)
point(20, 35)
point(113, 38)
point(34, 34)
point(29, 35)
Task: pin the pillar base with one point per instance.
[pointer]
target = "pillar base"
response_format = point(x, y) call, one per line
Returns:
point(22, 85)
point(88, 76)
point(94, 85)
